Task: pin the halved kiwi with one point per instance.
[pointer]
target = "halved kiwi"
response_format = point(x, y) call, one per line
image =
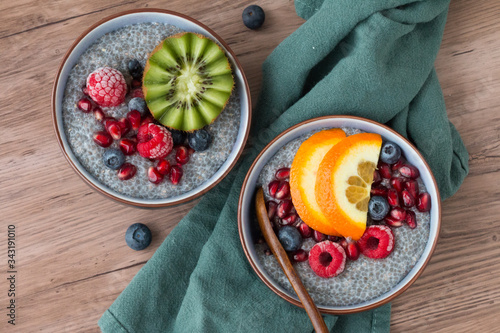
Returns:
point(187, 81)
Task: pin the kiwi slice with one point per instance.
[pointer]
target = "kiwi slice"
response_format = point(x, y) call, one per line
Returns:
point(187, 81)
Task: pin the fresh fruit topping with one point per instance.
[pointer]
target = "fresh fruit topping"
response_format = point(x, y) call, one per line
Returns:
point(182, 155)
point(98, 113)
point(103, 139)
point(253, 17)
point(290, 238)
point(303, 178)
point(124, 125)
point(273, 188)
point(377, 242)
point(379, 190)
point(378, 208)
point(327, 259)
point(107, 120)
point(127, 171)
point(412, 186)
point(390, 152)
point(334, 238)
point(384, 170)
point(398, 213)
point(284, 207)
point(176, 174)
point(289, 219)
point(154, 142)
point(114, 129)
point(377, 178)
point(163, 167)
point(392, 222)
point(409, 171)
point(134, 118)
point(199, 140)
point(304, 230)
point(107, 86)
point(179, 137)
point(271, 207)
point(136, 83)
point(352, 250)
point(424, 202)
point(147, 120)
point(84, 105)
point(154, 176)
point(408, 199)
point(398, 164)
point(344, 181)
point(283, 190)
point(138, 236)
point(128, 146)
point(113, 158)
point(137, 93)
point(85, 90)
point(397, 183)
point(138, 104)
point(411, 219)
point(318, 236)
point(135, 69)
point(187, 81)
point(300, 255)
point(393, 197)
point(282, 174)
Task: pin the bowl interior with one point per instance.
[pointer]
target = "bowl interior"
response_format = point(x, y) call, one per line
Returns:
point(183, 23)
point(248, 224)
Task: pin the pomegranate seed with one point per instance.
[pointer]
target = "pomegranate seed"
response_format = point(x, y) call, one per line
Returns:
point(398, 213)
point(393, 197)
point(147, 120)
point(304, 230)
point(128, 146)
point(283, 190)
point(424, 202)
point(271, 207)
point(397, 183)
point(377, 178)
point(191, 151)
point(408, 199)
point(98, 113)
point(127, 171)
point(379, 190)
point(137, 93)
point(84, 104)
point(282, 173)
point(352, 250)
point(334, 238)
point(85, 91)
point(398, 164)
point(392, 222)
point(114, 130)
point(318, 236)
point(175, 174)
point(134, 117)
point(284, 208)
point(409, 171)
point(289, 219)
point(412, 186)
point(154, 176)
point(107, 120)
point(343, 243)
point(385, 170)
point(273, 188)
point(182, 155)
point(103, 139)
point(124, 125)
point(136, 83)
point(300, 255)
point(411, 219)
point(163, 167)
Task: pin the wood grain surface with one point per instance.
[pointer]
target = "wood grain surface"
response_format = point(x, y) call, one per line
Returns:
point(72, 260)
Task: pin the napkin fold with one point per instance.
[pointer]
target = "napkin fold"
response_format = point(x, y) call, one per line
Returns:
point(366, 58)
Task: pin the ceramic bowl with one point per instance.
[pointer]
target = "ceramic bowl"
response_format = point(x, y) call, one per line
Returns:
point(247, 223)
point(118, 21)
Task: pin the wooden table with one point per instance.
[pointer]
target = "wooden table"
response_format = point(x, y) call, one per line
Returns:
point(72, 260)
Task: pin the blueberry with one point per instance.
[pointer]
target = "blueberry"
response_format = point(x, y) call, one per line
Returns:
point(178, 136)
point(290, 238)
point(113, 158)
point(390, 152)
point(199, 140)
point(138, 104)
point(138, 236)
point(253, 17)
point(378, 207)
point(135, 69)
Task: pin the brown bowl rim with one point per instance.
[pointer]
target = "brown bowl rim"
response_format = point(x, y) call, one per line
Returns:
point(162, 11)
point(322, 309)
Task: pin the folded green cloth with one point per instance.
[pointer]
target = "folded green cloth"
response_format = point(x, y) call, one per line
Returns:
point(367, 58)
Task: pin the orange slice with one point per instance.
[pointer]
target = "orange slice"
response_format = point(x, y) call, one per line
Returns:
point(344, 181)
point(303, 177)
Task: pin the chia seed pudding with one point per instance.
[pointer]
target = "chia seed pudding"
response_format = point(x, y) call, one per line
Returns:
point(114, 49)
point(363, 279)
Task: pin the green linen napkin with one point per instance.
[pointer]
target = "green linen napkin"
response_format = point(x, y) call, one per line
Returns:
point(367, 58)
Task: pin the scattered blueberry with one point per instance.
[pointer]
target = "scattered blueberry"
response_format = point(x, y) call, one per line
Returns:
point(390, 152)
point(113, 158)
point(138, 236)
point(178, 136)
point(135, 69)
point(253, 17)
point(138, 104)
point(199, 140)
point(290, 238)
point(378, 207)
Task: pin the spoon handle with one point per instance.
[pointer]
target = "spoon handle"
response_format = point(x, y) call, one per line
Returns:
point(282, 257)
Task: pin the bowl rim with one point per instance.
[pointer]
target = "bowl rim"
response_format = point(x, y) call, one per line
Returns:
point(322, 309)
point(54, 114)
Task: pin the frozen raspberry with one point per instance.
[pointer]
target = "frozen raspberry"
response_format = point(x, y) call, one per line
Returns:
point(327, 259)
point(377, 242)
point(154, 142)
point(107, 86)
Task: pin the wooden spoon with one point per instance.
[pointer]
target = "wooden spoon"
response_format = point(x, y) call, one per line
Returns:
point(280, 254)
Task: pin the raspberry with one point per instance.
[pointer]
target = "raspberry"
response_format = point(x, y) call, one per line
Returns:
point(107, 86)
point(154, 142)
point(377, 242)
point(327, 259)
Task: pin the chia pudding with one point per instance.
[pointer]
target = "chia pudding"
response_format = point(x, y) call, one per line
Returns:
point(363, 279)
point(115, 49)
